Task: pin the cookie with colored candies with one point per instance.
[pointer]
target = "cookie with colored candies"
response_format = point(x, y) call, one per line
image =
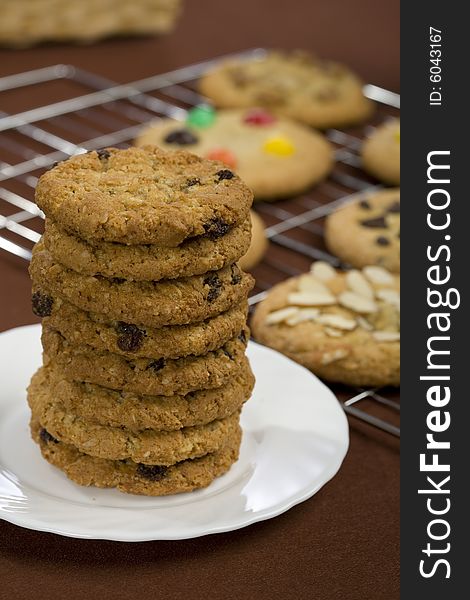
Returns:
point(274, 156)
point(367, 231)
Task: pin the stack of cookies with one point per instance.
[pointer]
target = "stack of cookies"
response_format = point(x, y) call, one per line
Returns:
point(144, 328)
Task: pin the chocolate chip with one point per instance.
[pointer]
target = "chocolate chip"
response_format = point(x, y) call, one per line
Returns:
point(394, 207)
point(151, 472)
point(236, 275)
point(193, 181)
point(156, 365)
point(374, 223)
point(42, 304)
point(364, 204)
point(118, 280)
point(242, 337)
point(382, 241)
point(103, 154)
point(46, 437)
point(181, 137)
point(215, 286)
point(216, 228)
point(224, 174)
point(131, 337)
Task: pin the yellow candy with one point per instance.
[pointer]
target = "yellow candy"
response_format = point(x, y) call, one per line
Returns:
point(280, 146)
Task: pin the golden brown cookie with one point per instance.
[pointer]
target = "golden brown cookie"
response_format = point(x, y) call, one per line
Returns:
point(367, 231)
point(274, 156)
point(94, 330)
point(258, 246)
point(210, 252)
point(146, 375)
point(381, 153)
point(344, 326)
point(142, 196)
point(155, 304)
point(293, 84)
point(102, 406)
point(137, 478)
point(117, 443)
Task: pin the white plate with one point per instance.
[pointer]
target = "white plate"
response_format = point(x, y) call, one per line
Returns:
point(295, 439)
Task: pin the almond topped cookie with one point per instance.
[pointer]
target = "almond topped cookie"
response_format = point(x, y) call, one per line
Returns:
point(342, 325)
point(293, 84)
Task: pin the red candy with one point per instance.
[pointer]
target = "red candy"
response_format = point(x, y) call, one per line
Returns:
point(259, 116)
point(224, 156)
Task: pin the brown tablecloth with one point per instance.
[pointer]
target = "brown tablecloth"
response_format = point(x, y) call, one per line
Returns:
point(343, 542)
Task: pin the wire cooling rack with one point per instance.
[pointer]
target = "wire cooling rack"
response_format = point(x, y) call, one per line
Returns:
point(91, 112)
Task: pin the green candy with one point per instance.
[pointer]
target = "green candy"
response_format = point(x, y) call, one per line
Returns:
point(201, 116)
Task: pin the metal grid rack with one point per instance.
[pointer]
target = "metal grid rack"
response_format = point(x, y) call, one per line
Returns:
point(92, 112)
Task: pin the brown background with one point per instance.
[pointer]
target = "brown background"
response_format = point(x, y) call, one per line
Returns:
point(344, 542)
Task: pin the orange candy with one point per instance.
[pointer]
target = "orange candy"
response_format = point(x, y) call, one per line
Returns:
point(224, 156)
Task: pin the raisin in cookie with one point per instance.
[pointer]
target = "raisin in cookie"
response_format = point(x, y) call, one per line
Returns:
point(381, 153)
point(148, 303)
point(136, 478)
point(293, 84)
point(342, 325)
point(274, 156)
point(142, 196)
point(367, 231)
point(133, 341)
point(145, 375)
point(222, 245)
point(111, 408)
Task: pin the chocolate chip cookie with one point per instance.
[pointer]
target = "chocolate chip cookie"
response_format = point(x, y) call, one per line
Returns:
point(344, 326)
point(148, 303)
point(146, 375)
point(274, 156)
point(367, 231)
point(142, 196)
point(293, 84)
point(137, 478)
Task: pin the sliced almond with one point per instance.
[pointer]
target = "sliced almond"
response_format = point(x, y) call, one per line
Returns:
point(364, 323)
point(338, 322)
point(322, 270)
point(390, 296)
point(309, 283)
point(330, 357)
point(280, 315)
point(357, 303)
point(378, 275)
point(302, 315)
point(357, 283)
point(386, 336)
point(333, 332)
point(311, 298)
